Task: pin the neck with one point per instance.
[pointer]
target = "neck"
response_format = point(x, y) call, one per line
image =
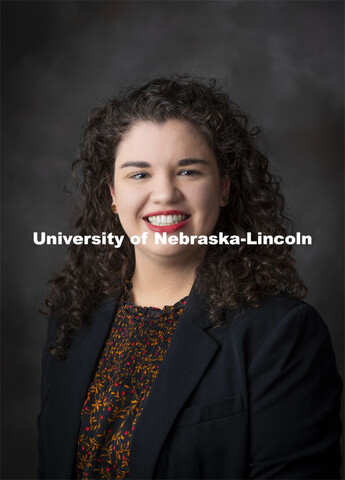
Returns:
point(157, 284)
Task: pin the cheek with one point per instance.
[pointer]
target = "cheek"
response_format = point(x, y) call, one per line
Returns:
point(127, 198)
point(206, 199)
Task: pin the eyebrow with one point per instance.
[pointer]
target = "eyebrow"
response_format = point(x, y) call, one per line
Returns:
point(191, 161)
point(181, 163)
point(135, 164)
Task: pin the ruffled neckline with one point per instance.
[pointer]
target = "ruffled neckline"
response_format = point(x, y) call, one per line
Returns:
point(148, 312)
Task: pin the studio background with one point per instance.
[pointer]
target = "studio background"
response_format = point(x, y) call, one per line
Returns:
point(281, 61)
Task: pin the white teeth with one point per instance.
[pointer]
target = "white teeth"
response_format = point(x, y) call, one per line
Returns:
point(164, 220)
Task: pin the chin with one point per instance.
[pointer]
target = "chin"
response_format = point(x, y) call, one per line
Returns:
point(169, 251)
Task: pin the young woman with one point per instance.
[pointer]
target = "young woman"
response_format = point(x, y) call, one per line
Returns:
point(183, 359)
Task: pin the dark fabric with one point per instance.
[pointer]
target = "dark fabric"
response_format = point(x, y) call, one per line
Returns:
point(129, 363)
point(257, 398)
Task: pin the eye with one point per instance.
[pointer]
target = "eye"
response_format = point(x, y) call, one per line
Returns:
point(187, 172)
point(139, 175)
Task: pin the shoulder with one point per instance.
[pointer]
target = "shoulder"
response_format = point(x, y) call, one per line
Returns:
point(283, 344)
point(280, 322)
point(97, 319)
point(270, 310)
point(274, 312)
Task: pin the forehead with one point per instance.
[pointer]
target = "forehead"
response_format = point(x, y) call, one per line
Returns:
point(171, 139)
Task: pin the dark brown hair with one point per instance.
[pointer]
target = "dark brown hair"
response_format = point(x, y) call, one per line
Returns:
point(229, 276)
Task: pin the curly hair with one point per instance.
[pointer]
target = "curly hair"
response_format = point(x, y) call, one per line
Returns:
point(229, 277)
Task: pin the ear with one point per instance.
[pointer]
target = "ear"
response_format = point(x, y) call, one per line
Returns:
point(111, 189)
point(224, 191)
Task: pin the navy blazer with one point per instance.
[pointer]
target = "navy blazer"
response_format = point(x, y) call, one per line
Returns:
point(256, 398)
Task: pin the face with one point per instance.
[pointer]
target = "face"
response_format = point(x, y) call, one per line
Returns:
point(167, 180)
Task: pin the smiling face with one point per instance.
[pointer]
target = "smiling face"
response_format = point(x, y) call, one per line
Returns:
point(167, 180)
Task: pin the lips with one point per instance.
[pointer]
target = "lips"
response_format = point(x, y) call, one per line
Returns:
point(166, 220)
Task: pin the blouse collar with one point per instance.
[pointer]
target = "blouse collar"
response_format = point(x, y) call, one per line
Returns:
point(148, 312)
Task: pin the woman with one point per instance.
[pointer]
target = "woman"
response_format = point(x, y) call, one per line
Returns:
point(183, 360)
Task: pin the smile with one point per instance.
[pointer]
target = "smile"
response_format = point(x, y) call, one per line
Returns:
point(164, 220)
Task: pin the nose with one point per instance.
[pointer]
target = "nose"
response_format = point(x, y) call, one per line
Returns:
point(165, 190)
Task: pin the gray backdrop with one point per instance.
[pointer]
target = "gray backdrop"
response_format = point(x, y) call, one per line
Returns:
point(282, 61)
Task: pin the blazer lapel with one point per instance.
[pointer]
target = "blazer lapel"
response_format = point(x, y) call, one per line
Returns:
point(70, 388)
point(189, 354)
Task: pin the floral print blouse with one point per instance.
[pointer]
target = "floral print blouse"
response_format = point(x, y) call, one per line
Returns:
point(127, 368)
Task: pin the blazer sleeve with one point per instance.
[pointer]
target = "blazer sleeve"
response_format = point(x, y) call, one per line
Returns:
point(46, 359)
point(295, 391)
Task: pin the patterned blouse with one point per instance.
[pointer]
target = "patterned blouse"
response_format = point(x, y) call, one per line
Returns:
point(129, 363)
